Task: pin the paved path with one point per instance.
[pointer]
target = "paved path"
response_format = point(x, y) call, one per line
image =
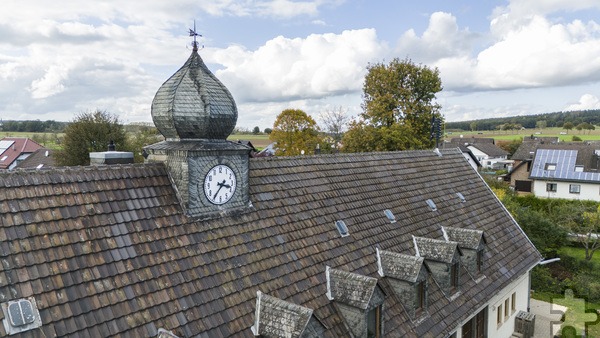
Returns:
point(543, 319)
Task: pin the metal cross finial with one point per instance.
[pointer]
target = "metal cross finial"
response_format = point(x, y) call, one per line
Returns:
point(193, 33)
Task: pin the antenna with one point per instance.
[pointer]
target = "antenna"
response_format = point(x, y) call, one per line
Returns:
point(192, 32)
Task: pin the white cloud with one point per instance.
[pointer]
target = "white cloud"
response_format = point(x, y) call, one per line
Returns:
point(586, 102)
point(287, 69)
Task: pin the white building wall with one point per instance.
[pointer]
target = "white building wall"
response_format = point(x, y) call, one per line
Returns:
point(520, 288)
point(483, 158)
point(505, 329)
point(588, 191)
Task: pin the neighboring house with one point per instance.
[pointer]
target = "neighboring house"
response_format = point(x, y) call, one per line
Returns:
point(487, 153)
point(467, 153)
point(204, 241)
point(523, 157)
point(567, 171)
point(41, 158)
point(14, 150)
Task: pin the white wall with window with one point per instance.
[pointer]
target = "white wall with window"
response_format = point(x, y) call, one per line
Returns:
point(501, 312)
point(567, 190)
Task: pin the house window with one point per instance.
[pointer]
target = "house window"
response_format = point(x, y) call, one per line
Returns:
point(574, 188)
point(513, 302)
point(479, 261)
point(499, 315)
point(420, 296)
point(507, 307)
point(550, 166)
point(454, 275)
point(374, 323)
point(475, 327)
point(551, 187)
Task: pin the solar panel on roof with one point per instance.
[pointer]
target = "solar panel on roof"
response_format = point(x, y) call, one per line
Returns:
point(5, 145)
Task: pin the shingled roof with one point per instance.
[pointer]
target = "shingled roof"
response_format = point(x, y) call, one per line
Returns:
point(108, 251)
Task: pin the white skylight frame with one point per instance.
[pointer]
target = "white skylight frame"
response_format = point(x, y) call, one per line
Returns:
point(342, 228)
point(461, 197)
point(390, 215)
point(21, 315)
point(431, 204)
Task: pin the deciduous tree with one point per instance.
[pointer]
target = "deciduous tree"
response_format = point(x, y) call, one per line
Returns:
point(90, 132)
point(334, 123)
point(398, 106)
point(295, 133)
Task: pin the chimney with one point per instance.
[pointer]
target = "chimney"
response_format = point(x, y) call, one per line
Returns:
point(111, 156)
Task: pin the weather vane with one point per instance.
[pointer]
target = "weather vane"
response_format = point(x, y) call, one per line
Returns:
point(193, 33)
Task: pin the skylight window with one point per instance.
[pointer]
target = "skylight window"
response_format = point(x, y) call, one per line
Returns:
point(431, 204)
point(388, 213)
point(3, 158)
point(342, 228)
point(550, 166)
point(579, 168)
point(461, 197)
point(21, 315)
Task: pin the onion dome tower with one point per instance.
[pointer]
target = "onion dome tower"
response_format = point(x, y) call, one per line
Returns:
point(195, 113)
point(194, 104)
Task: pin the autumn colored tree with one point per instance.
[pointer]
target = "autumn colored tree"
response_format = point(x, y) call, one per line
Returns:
point(398, 107)
point(90, 132)
point(295, 132)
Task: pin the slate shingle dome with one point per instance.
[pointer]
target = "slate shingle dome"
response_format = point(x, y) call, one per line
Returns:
point(194, 104)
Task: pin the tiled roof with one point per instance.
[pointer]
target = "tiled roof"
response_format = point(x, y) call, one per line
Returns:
point(107, 251)
point(350, 288)
point(15, 147)
point(489, 149)
point(42, 156)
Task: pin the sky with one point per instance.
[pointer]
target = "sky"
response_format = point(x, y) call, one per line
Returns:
point(495, 58)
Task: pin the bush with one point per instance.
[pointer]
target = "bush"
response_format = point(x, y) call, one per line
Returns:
point(543, 281)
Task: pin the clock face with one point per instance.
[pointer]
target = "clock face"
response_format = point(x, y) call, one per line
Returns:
point(219, 184)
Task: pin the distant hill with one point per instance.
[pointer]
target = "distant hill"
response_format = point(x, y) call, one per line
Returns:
point(529, 121)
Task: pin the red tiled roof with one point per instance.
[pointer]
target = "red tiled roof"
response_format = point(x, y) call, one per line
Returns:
point(20, 146)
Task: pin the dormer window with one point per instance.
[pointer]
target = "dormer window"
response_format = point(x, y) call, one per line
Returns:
point(359, 299)
point(454, 274)
point(472, 246)
point(442, 260)
point(407, 276)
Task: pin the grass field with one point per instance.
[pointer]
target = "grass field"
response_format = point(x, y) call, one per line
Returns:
point(593, 135)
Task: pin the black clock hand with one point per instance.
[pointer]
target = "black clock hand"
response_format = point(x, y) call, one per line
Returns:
point(221, 185)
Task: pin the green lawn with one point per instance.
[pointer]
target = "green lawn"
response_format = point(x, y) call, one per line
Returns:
point(593, 135)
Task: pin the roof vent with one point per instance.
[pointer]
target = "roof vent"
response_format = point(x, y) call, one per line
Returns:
point(21, 315)
point(431, 204)
point(342, 228)
point(461, 197)
point(388, 213)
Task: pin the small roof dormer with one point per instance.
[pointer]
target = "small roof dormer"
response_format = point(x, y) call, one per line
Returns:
point(275, 317)
point(472, 245)
point(359, 301)
point(408, 278)
point(443, 260)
